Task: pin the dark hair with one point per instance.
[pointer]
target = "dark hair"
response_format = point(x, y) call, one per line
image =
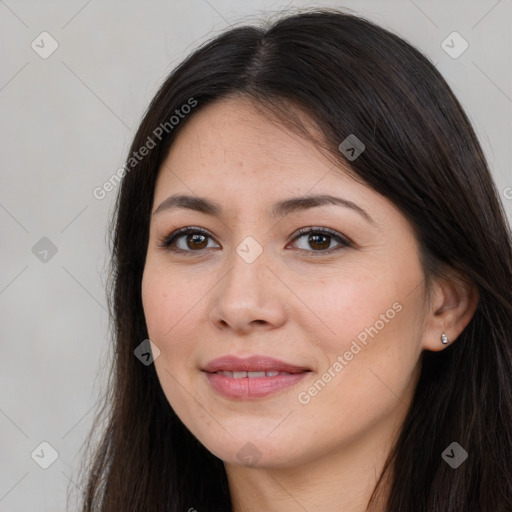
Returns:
point(348, 76)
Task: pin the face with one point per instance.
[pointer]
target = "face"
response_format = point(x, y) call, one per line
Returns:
point(338, 306)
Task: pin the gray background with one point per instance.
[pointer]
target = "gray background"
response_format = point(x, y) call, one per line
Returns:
point(66, 125)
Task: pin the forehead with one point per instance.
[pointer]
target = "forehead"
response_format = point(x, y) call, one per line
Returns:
point(237, 127)
point(231, 153)
point(233, 140)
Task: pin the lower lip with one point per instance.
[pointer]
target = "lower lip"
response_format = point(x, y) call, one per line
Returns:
point(248, 388)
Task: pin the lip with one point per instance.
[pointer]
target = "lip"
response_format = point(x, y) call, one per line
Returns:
point(256, 363)
point(248, 388)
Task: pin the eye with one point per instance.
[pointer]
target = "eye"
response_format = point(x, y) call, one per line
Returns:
point(320, 240)
point(186, 240)
point(195, 239)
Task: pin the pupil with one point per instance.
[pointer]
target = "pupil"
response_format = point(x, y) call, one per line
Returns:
point(195, 240)
point(314, 240)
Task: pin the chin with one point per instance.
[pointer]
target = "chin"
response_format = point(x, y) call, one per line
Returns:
point(263, 453)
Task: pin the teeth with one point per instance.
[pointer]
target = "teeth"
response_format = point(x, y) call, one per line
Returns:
point(255, 375)
point(251, 375)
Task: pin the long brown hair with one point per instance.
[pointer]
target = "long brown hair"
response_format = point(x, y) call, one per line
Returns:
point(350, 77)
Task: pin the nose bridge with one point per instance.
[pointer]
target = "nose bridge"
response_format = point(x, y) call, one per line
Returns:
point(247, 277)
point(247, 294)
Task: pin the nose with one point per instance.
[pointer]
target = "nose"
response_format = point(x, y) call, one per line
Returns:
point(249, 297)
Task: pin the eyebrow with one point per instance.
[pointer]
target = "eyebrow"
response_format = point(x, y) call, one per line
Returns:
point(281, 208)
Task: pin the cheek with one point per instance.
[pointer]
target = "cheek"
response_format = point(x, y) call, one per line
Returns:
point(341, 308)
point(167, 302)
point(370, 319)
point(174, 314)
point(169, 315)
point(155, 298)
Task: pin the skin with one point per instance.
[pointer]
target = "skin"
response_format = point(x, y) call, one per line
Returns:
point(328, 453)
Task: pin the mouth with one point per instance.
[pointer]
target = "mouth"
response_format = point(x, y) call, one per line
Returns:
point(253, 377)
point(253, 366)
point(250, 375)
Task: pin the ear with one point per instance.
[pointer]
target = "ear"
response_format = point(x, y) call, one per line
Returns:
point(452, 305)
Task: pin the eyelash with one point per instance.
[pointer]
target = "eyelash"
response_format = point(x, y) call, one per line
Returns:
point(168, 240)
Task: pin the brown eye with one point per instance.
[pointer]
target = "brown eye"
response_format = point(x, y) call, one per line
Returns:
point(191, 240)
point(318, 240)
point(186, 240)
point(196, 241)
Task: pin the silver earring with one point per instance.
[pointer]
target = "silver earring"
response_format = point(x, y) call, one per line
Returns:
point(444, 339)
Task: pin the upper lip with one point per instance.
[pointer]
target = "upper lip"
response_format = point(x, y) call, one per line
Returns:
point(255, 363)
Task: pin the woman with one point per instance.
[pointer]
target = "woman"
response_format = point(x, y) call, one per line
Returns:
point(308, 233)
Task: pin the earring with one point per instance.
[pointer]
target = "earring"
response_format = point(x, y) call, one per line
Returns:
point(444, 339)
